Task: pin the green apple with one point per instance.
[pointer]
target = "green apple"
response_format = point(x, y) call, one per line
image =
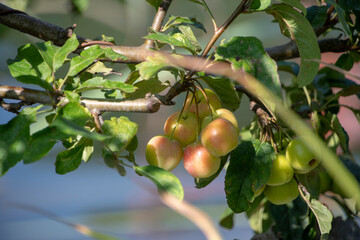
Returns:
point(203, 107)
point(223, 113)
point(302, 160)
point(281, 171)
point(282, 194)
point(325, 181)
point(185, 130)
point(198, 162)
point(220, 137)
point(163, 152)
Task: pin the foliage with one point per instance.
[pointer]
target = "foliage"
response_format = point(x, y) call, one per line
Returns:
point(66, 77)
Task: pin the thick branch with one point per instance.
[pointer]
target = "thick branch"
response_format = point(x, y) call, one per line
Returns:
point(290, 50)
point(34, 26)
point(147, 105)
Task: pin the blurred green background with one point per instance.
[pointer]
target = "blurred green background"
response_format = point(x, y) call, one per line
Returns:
point(95, 195)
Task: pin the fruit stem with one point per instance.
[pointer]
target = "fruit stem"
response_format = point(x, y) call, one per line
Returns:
point(180, 115)
point(198, 129)
point(201, 89)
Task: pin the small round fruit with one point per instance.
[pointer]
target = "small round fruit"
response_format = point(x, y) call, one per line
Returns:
point(282, 194)
point(281, 171)
point(185, 131)
point(300, 157)
point(163, 152)
point(203, 107)
point(325, 181)
point(223, 113)
point(198, 162)
point(220, 137)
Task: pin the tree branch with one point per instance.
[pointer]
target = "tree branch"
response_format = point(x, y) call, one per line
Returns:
point(49, 32)
point(158, 20)
point(146, 105)
point(290, 50)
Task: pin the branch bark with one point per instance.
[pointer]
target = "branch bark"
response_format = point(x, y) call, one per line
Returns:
point(50, 32)
point(146, 105)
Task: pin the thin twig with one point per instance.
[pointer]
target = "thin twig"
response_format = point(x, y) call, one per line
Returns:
point(158, 20)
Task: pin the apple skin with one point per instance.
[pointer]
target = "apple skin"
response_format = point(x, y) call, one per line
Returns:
point(220, 137)
point(163, 152)
point(198, 162)
point(186, 130)
point(302, 160)
point(282, 194)
point(281, 171)
point(325, 181)
point(223, 113)
point(203, 107)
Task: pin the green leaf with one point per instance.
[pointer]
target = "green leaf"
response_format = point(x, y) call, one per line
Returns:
point(296, 26)
point(73, 111)
point(296, 4)
point(249, 51)
point(154, 3)
point(152, 66)
point(203, 182)
point(227, 219)
point(341, 133)
point(99, 67)
point(290, 219)
point(342, 17)
point(70, 159)
point(259, 5)
point(345, 61)
point(175, 39)
point(249, 169)
point(88, 56)
point(259, 216)
point(349, 4)
point(224, 88)
point(189, 35)
point(317, 16)
point(41, 143)
point(29, 67)
point(71, 129)
point(55, 56)
point(164, 180)
point(322, 214)
point(14, 138)
point(100, 83)
point(290, 67)
point(122, 131)
point(144, 87)
point(176, 21)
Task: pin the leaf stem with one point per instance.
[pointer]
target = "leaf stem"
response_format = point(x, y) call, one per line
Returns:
point(211, 15)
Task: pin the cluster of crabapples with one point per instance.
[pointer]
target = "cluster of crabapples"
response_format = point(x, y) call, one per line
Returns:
point(203, 132)
point(200, 134)
point(281, 187)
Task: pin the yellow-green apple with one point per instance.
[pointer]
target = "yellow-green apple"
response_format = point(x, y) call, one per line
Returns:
point(302, 160)
point(281, 171)
point(282, 194)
